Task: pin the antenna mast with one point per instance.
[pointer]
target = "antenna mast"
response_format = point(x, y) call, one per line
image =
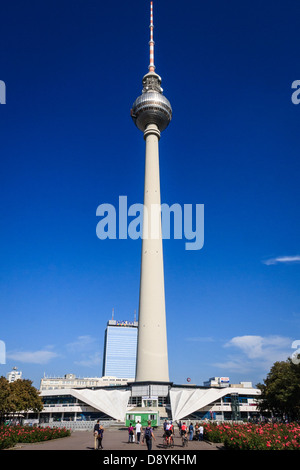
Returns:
point(151, 42)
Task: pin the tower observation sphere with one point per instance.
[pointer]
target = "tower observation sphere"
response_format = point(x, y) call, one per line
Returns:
point(151, 107)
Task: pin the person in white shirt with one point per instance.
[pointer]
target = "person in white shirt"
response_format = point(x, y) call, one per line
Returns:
point(138, 430)
point(169, 431)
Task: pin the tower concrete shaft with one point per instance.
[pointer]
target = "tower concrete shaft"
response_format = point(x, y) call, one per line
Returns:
point(152, 113)
point(152, 353)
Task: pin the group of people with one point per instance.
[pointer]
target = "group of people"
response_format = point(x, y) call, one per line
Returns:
point(148, 434)
point(191, 432)
point(98, 434)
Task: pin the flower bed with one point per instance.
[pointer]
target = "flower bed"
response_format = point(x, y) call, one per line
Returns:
point(12, 435)
point(255, 436)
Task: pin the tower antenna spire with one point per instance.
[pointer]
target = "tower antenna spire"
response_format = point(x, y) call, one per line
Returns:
point(151, 42)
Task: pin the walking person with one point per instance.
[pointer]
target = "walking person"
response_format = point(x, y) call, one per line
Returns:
point(96, 429)
point(201, 432)
point(191, 431)
point(197, 431)
point(98, 435)
point(130, 433)
point(148, 435)
point(138, 430)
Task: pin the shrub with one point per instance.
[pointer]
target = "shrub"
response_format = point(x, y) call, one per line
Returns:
point(11, 435)
point(255, 436)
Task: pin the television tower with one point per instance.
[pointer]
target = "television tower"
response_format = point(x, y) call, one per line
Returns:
point(151, 113)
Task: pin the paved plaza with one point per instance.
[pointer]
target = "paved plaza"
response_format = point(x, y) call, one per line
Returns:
point(114, 439)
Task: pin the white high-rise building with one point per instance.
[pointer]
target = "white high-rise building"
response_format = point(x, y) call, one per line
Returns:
point(14, 375)
point(120, 344)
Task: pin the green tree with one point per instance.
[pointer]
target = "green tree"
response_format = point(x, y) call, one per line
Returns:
point(18, 397)
point(280, 392)
point(4, 398)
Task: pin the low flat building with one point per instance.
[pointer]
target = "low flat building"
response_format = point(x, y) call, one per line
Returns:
point(176, 402)
point(71, 381)
point(217, 382)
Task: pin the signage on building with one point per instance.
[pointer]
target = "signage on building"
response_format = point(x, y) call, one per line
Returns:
point(224, 380)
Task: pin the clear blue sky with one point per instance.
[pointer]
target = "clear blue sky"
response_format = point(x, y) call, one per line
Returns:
point(72, 71)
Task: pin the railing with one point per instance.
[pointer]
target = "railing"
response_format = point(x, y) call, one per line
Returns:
point(73, 425)
point(79, 425)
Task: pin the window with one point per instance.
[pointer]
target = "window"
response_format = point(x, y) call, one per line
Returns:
point(137, 401)
point(150, 403)
point(163, 401)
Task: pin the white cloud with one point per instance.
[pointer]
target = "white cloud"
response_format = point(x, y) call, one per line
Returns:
point(255, 352)
point(234, 365)
point(283, 260)
point(250, 345)
point(262, 349)
point(86, 351)
point(90, 361)
point(83, 343)
point(32, 357)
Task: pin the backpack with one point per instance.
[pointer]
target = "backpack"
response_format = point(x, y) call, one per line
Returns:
point(148, 433)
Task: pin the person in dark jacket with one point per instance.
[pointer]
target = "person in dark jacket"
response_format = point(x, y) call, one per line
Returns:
point(98, 433)
point(148, 435)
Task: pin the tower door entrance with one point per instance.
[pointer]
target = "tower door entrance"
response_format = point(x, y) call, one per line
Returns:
point(150, 402)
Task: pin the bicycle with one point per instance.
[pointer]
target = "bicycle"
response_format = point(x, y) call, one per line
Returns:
point(184, 440)
point(168, 441)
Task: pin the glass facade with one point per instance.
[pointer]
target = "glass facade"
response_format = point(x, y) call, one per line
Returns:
point(119, 359)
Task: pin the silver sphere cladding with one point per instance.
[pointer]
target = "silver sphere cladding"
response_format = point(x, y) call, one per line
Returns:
point(151, 108)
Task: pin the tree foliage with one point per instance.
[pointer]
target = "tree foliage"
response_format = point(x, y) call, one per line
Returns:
point(280, 392)
point(18, 397)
